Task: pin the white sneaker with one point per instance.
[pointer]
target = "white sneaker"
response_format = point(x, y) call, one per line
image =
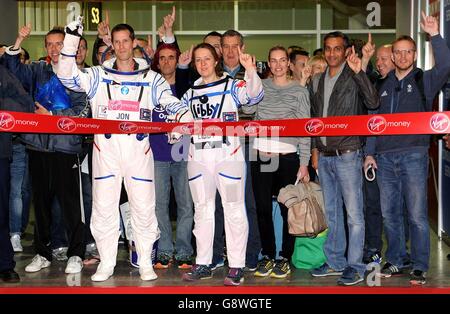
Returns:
point(147, 273)
point(74, 265)
point(37, 264)
point(102, 273)
point(15, 242)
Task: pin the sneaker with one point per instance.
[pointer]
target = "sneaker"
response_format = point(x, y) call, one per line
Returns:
point(102, 273)
point(74, 265)
point(389, 270)
point(214, 266)
point(417, 277)
point(264, 267)
point(163, 261)
point(373, 258)
point(60, 254)
point(15, 242)
point(350, 277)
point(325, 270)
point(37, 264)
point(250, 268)
point(198, 272)
point(281, 268)
point(184, 262)
point(91, 249)
point(147, 273)
point(235, 277)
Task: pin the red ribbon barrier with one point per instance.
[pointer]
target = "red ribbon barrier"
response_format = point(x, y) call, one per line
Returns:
point(388, 124)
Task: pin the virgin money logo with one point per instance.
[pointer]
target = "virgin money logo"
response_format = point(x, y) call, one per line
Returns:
point(128, 127)
point(314, 127)
point(251, 128)
point(66, 125)
point(376, 125)
point(7, 121)
point(439, 122)
point(190, 129)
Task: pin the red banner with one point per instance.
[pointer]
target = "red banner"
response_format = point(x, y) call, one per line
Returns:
point(388, 124)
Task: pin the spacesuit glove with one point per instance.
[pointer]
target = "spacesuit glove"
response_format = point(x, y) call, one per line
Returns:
point(174, 137)
point(180, 116)
point(76, 27)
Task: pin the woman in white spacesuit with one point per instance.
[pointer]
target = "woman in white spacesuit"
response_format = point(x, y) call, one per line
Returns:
point(217, 162)
point(124, 88)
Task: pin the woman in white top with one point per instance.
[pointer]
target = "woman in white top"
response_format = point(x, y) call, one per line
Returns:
point(280, 160)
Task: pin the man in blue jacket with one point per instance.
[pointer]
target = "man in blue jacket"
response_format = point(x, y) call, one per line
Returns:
point(12, 98)
point(54, 164)
point(402, 161)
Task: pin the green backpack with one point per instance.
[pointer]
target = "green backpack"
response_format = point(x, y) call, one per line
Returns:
point(308, 252)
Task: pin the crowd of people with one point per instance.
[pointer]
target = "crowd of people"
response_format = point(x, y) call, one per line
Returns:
point(223, 185)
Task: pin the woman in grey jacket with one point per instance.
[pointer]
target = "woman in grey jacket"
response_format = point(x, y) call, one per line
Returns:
point(277, 161)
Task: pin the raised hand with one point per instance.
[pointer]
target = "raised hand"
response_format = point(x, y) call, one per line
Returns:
point(306, 74)
point(368, 50)
point(148, 49)
point(103, 29)
point(169, 20)
point(25, 31)
point(429, 24)
point(186, 57)
point(354, 62)
point(246, 60)
point(76, 27)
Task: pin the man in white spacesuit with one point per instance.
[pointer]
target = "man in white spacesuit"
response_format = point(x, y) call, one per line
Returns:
point(123, 88)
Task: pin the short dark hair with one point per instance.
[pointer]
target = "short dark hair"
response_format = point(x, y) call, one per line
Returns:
point(55, 30)
point(337, 34)
point(294, 53)
point(85, 41)
point(155, 62)
point(404, 37)
point(213, 33)
point(218, 68)
point(318, 51)
point(232, 33)
point(123, 27)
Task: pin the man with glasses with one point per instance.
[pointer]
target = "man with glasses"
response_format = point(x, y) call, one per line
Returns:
point(402, 161)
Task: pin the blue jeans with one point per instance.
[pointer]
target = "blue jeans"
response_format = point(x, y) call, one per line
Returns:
point(341, 180)
point(58, 230)
point(164, 171)
point(20, 192)
point(403, 175)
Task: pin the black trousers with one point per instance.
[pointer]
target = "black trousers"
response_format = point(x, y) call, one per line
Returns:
point(268, 178)
point(57, 175)
point(6, 251)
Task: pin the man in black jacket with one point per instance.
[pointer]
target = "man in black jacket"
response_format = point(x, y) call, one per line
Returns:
point(12, 98)
point(343, 90)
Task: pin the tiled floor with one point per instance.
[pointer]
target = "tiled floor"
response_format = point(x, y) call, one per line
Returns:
point(126, 275)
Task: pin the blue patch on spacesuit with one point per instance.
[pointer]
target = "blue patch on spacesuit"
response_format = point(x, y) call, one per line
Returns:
point(124, 90)
point(52, 95)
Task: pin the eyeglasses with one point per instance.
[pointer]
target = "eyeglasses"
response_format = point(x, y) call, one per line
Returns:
point(408, 52)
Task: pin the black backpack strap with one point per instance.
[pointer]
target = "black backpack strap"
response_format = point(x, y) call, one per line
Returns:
point(418, 77)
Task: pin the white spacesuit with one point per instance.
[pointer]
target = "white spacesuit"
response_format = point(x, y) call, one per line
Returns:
point(128, 96)
point(217, 162)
